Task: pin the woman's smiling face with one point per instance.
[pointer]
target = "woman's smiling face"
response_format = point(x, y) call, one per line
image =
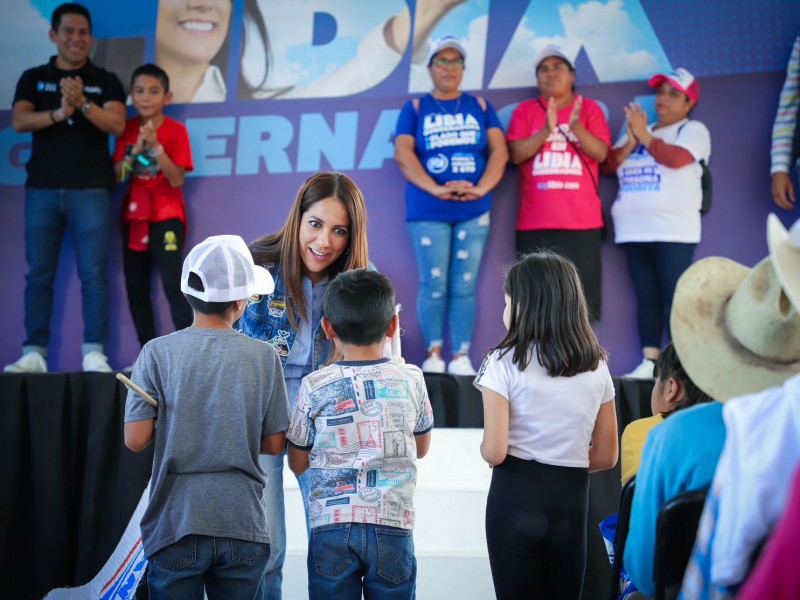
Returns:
point(324, 235)
point(192, 31)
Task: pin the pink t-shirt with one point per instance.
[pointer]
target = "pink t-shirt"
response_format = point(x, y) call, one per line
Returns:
point(556, 189)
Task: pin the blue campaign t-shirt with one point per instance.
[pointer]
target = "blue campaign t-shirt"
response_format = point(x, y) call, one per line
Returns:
point(451, 143)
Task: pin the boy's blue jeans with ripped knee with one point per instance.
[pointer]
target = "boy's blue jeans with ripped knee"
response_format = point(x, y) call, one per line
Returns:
point(345, 559)
point(448, 258)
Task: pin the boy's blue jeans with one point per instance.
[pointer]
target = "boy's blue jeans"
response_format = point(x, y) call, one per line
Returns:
point(448, 258)
point(227, 567)
point(48, 214)
point(346, 558)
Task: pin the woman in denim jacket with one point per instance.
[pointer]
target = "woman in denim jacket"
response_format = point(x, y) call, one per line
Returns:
point(324, 234)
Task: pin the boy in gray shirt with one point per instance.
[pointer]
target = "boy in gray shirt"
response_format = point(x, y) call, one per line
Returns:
point(221, 401)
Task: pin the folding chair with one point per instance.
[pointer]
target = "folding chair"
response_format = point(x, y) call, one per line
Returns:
point(621, 535)
point(676, 530)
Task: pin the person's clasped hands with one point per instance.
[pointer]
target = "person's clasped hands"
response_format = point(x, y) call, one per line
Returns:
point(636, 125)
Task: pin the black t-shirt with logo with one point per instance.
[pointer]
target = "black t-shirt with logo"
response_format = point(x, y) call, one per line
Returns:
point(73, 153)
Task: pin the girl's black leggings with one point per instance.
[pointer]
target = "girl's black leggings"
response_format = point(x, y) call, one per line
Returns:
point(536, 529)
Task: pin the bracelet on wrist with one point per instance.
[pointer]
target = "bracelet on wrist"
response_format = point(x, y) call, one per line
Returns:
point(53, 116)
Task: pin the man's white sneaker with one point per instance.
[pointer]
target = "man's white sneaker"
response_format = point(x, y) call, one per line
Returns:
point(96, 361)
point(30, 362)
point(461, 366)
point(643, 371)
point(433, 364)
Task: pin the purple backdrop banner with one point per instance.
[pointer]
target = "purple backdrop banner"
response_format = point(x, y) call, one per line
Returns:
point(290, 88)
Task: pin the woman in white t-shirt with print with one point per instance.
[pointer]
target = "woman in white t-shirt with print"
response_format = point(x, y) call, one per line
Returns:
point(657, 210)
point(549, 420)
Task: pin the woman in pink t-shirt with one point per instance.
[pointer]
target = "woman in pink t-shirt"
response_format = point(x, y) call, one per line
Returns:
point(558, 141)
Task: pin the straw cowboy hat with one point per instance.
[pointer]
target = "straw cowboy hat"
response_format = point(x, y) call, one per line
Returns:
point(784, 250)
point(734, 328)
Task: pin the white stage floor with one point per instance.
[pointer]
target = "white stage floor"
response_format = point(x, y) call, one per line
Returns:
point(449, 537)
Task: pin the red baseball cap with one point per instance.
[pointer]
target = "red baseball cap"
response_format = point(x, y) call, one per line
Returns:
point(680, 79)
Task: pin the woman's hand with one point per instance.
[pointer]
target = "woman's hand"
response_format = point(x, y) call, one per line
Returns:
point(637, 122)
point(552, 114)
point(444, 192)
point(465, 191)
point(575, 115)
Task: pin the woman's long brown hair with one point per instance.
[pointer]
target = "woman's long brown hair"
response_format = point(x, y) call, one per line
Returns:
point(283, 248)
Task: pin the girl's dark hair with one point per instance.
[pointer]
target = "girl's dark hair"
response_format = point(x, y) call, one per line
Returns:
point(549, 317)
point(253, 24)
point(669, 365)
point(283, 248)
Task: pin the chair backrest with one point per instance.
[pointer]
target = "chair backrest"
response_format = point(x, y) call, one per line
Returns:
point(676, 530)
point(621, 535)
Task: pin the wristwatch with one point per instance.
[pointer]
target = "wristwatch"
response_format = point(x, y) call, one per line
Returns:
point(86, 106)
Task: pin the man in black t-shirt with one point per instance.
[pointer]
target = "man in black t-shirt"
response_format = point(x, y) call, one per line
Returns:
point(70, 106)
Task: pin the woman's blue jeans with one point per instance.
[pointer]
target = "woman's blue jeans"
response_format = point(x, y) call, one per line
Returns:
point(276, 509)
point(448, 258)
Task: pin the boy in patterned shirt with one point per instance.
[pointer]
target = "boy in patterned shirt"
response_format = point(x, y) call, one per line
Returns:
point(360, 424)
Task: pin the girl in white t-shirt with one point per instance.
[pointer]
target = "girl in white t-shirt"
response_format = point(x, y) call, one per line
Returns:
point(549, 420)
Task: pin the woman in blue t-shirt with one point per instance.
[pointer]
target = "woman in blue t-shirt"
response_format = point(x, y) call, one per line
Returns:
point(451, 148)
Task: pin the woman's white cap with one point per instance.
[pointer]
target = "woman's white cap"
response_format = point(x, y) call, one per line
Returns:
point(443, 43)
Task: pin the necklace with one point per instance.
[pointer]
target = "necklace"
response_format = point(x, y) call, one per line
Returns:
point(455, 111)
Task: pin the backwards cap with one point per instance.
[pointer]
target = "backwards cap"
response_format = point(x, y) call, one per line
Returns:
point(225, 266)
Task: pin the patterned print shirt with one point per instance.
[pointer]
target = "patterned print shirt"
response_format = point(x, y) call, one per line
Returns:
point(359, 419)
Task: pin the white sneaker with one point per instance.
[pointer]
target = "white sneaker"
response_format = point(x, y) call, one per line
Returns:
point(433, 364)
point(96, 361)
point(461, 366)
point(643, 371)
point(30, 362)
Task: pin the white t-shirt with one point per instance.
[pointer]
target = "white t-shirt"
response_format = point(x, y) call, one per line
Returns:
point(656, 203)
point(762, 450)
point(551, 419)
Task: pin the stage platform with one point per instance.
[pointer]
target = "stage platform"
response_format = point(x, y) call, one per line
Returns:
point(70, 487)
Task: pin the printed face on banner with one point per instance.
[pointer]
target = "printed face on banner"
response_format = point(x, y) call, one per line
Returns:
point(189, 38)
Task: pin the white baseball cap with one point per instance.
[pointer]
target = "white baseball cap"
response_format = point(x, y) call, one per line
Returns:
point(225, 266)
point(443, 43)
point(547, 52)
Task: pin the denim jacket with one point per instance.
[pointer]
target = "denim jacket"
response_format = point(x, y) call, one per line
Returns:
point(266, 319)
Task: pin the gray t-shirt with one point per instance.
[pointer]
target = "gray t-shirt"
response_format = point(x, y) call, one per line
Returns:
point(219, 393)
